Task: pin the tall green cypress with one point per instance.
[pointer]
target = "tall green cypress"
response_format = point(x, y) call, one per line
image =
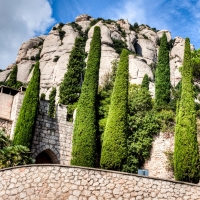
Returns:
point(114, 147)
point(26, 119)
point(52, 101)
point(186, 155)
point(11, 82)
point(70, 88)
point(145, 82)
point(162, 85)
point(85, 127)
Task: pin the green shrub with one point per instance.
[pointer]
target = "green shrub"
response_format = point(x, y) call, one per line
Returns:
point(186, 153)
point(119, 45)
point(114, 147)
point(145, 82)
point(56, 58)
point(142, 126)
point(11, 82)
point(27, 115)
point(94, 21)
point(145, 37)
point(43, 96)
point(52, 109)
point(85, 127)
point(170, 160)
point(167, 120)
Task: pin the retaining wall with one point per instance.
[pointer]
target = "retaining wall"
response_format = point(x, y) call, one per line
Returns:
point(56, 182)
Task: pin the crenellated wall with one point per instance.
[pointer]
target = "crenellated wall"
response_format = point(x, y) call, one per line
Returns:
point(53, 135)
point(56, 182)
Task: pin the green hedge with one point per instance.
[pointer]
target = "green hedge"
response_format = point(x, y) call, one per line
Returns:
point(26, 119)
point(114, 147)
point(186, 154)
point(85, 127)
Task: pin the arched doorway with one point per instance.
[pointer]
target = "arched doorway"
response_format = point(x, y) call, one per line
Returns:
point(46, 157)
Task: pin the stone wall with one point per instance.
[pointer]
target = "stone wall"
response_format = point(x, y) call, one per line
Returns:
point(157, 164)
point(53, 135)
point(54, 182)
point(5, 125)
point(5, 105)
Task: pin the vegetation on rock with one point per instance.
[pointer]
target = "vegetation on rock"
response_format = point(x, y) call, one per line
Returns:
point(12, 81)
point(143, 124)
point(85, 127)
point(145, 82)
point(26, 119)
point(114, 147)
point(186, 154)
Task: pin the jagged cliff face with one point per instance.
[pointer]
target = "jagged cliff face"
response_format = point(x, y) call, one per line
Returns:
point(54, 53)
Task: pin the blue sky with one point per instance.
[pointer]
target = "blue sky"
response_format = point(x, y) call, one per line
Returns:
point(181, 18)
point(21, 20)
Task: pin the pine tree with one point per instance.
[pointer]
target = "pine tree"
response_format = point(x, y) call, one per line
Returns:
point(84, 136)
point(145, 82)
point(114, 147)
point(26, 120)
point(70, 88)
point(162, 85)
point(186, 155)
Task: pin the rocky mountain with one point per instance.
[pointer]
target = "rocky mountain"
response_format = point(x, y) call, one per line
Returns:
point(53, 51)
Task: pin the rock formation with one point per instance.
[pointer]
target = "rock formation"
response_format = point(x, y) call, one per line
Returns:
point(53, 52)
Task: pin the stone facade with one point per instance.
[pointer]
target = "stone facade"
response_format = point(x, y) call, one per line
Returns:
point(5, 105)
point(158, 162)
point(5, 125)
point(36, 182)
point(53, 135)
point(10, 105)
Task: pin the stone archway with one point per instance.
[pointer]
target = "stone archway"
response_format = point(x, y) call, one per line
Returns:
point(46, 156)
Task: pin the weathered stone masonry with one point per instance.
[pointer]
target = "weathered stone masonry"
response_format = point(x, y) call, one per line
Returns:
point(53, 135)
point(55, 182)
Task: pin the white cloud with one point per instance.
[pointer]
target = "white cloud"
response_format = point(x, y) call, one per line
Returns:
point(19, 21)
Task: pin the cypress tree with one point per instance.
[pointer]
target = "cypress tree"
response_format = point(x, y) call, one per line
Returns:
point(85, 127)
point(52, 96)
point(11, 82)
point(145, 82)
point(162, 84)
point(186, 155)
point(70, 88)
point(114, 147)
point(26, 120)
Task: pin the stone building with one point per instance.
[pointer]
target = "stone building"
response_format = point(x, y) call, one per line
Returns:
point(51, 137)
point(10, 104)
